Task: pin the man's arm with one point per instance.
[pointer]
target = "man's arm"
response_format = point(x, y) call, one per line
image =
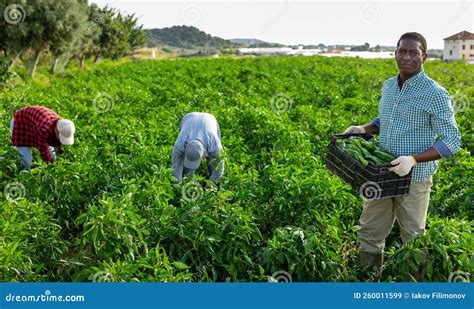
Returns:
point(429, 154)
point(371, 128)
point(446, 129)
point(177, 162)
point(45, 153)
point(216, 167)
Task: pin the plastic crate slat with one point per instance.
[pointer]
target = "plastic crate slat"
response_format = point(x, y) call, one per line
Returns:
point(351, 171)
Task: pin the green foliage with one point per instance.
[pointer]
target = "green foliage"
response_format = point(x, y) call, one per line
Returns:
point(119, 34)
point(446, 247)
point(107, 210)
point(5, 73)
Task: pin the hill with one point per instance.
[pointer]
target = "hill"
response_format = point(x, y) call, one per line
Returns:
point(188, 37)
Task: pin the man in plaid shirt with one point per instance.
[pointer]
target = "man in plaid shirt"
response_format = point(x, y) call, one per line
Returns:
point(416, 123)
point(39, 127)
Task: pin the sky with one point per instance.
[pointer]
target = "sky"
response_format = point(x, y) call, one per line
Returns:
point(309, 22)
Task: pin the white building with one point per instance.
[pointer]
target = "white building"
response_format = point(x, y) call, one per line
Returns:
point(280, 51)
point(459, 47)
point(362, 54)
point(266, 50)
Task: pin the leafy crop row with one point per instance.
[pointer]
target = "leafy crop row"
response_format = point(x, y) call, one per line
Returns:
point(107, 209)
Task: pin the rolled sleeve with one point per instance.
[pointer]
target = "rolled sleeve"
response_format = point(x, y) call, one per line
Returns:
point(443, 150)
point(445, 127)
point(376, 122)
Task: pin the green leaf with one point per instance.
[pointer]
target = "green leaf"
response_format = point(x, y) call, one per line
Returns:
point(180, 265)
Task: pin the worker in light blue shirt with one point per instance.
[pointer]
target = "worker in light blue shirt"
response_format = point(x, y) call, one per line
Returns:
point(416, 123)
point(199, 137)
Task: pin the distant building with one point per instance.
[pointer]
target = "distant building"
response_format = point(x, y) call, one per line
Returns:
point(266, 50)
point(459, 47)
point(305, 52)
point(335, 50)
point(362, 54)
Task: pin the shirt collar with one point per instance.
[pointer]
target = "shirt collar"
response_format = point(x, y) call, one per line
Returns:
point(415, 78)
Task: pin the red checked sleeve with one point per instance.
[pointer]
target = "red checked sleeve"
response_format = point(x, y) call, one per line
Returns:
point(45, 153)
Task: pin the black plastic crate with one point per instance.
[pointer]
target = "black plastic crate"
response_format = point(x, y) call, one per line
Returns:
point(373, 181)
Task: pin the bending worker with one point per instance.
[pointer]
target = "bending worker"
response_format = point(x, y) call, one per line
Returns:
point(199, 137)
point(41, 128)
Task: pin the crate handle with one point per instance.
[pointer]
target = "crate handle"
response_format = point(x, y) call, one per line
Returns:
point(366, 136)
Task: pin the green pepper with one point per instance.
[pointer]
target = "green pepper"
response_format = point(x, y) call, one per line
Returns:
point(367, 144)
point(353, 152)
point(383, 155)
point(375, 160)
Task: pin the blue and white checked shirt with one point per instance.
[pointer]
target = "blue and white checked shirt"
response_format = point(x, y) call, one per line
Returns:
point(204, 128)
point(415, 118)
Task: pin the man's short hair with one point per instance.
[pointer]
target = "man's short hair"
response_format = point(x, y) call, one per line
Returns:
point(416, 37)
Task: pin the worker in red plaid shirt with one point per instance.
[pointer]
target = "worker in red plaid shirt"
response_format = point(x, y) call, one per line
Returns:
point(40, 127)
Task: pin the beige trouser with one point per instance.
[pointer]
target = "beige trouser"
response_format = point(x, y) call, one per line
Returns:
point(378, 216)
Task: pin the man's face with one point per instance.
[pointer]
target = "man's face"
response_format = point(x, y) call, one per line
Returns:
point(409, 56)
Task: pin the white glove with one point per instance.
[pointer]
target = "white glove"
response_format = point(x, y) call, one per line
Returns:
point(404, 165)
point(354, 130)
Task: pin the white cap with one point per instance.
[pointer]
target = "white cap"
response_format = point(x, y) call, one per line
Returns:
point(66, 130)
point(193, 154)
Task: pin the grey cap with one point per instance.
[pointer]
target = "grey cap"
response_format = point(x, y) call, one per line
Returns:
point(193, 154)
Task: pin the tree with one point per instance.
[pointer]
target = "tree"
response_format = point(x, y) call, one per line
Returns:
point(47, 24)
point(14, 29)
point(119, 34)
point(69, 29)
point(65, 28)
point(86, 46)
point(137, 37)
point(364, 47)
